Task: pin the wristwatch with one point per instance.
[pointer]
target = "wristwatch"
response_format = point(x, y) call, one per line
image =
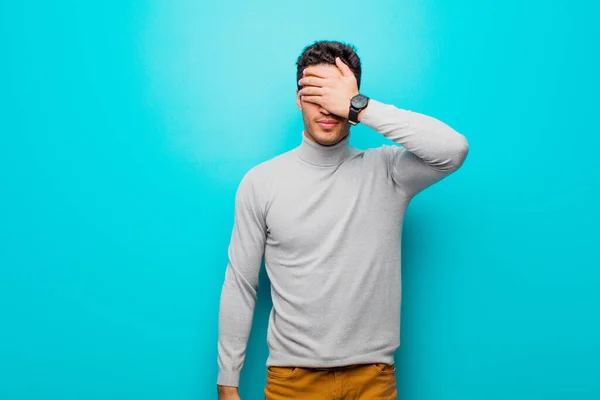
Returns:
point(357, 104)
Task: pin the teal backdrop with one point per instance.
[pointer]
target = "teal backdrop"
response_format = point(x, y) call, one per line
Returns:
point(125, 128)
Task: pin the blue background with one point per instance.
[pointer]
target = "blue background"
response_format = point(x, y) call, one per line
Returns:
point(125, 128)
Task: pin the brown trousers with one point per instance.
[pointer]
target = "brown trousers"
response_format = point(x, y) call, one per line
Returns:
point(351, 382)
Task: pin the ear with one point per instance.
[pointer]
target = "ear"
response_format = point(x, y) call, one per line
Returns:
point(298, 101)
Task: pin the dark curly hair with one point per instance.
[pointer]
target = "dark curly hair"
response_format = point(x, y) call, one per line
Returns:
point(325, 52)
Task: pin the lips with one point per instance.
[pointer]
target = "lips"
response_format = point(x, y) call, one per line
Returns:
point(327, 123)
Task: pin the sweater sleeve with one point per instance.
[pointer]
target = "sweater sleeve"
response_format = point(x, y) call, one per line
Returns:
point(431, 150)
point(238, 295)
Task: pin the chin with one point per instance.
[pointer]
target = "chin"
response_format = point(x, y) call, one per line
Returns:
point(327, 137)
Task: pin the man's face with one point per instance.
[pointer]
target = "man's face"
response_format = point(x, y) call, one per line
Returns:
point(315, 116)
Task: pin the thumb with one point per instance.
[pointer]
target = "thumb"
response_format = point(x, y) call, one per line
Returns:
point(343, 67)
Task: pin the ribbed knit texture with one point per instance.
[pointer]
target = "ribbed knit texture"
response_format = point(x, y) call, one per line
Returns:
point(328, 222)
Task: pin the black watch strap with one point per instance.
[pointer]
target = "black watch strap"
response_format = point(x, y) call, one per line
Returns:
point(353, 115)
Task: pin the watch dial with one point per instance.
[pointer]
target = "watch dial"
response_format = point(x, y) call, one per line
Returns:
point(359, 101)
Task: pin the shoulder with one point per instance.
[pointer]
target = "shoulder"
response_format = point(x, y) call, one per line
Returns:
point(266, 170)
point(260, 177)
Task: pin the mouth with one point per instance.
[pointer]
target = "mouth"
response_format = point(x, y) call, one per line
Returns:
point(327, 123)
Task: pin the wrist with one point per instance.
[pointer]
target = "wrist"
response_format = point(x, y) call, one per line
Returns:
point(222, 389)
point(358, 105)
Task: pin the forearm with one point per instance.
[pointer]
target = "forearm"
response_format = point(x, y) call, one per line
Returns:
point(430, 139)
point(238, 299)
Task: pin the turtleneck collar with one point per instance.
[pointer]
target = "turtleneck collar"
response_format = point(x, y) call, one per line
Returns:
point(318, 154)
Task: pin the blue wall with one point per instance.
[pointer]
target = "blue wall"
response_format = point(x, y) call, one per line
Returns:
point(125, 128)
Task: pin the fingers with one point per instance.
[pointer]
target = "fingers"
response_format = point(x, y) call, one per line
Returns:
point(311, 90)
point(321, 72)
point(312, 99)
point(316, 71)
point(311, 81)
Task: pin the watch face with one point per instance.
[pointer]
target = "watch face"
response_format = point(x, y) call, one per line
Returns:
point(359, 101)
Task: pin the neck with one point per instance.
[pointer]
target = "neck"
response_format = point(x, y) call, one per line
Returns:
point(318, 154)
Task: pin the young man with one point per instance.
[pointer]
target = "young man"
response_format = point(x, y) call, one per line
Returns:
point(327, 218)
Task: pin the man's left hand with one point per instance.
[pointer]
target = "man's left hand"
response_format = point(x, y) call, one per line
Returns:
point(330, 88)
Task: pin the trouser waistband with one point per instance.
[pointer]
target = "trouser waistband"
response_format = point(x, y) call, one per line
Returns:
point(335, 367)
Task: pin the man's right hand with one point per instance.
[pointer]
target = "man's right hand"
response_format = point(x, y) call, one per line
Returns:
point(228, 392)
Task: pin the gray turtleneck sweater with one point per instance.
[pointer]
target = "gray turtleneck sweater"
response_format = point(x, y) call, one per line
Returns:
point(328, 222)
